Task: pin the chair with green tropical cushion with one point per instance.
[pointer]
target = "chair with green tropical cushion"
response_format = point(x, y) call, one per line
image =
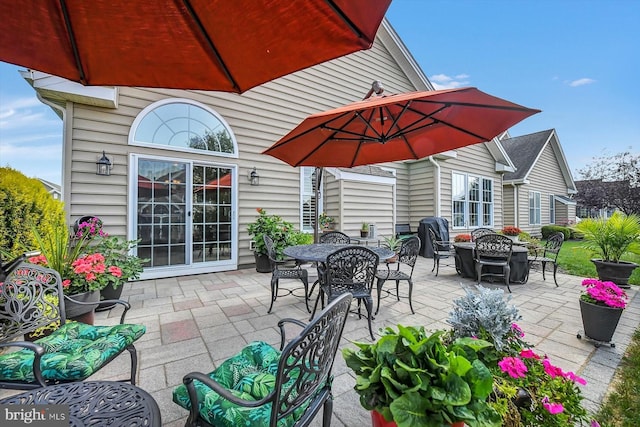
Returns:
point(262, 386)
point(29, 301)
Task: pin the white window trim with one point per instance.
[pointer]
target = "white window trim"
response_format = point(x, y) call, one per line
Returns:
point(539, 207)
point(320, 200)
point(151, 107)
point(466, 201)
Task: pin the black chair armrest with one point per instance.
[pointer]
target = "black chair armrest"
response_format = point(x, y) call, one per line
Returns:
point(126, 305)
point(283, 332)
point(38, 353)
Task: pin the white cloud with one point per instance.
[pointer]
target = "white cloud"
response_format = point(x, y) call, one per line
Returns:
point(581, 82)
point(443, 81)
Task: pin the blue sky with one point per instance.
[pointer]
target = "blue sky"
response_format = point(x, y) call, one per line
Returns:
point(577, 61)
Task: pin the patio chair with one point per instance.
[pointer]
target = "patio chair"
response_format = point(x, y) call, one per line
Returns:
point(335, 237)
point(441, 250)
point(549, 254)
point(403, 231)
point(263, 386)
point(493, 250)
point(407, 256)
point(350, 270)
point(480, 232)
point(31, 298)
point(280, 270)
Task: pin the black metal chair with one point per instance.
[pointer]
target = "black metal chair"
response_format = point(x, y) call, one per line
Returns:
point(32, 301)
point(493, 250)
point(407, 256)
point(280, 270)
point(441, 250)
point(335, 237)
point(482, 231)
point(403, 231)
point(549, 254)
point(263, 386)
point(350, 270)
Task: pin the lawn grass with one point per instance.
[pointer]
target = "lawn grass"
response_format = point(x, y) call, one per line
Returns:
point(575, 259)
point(620, 408)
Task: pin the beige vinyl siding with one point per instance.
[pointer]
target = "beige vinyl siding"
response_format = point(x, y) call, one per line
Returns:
point(257, 118)
point(368, 202)
point(508, 205)
point(422, 201)
point(545, 178)
point(473, 160)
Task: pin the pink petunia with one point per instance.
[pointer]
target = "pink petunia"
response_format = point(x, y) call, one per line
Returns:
point(513, 366)
point(529, 354)
point(576, 379)
point(551, 370)
point(552, 408)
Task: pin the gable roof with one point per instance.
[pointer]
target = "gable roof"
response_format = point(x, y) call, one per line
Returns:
point(525, 151)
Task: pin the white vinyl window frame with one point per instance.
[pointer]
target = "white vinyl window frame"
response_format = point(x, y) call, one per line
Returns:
point(307, 195)
point(552, 209)
point(472, 201)
point(535, 208)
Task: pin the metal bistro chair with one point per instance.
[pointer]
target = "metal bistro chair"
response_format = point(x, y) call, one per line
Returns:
point(263, 386)
point(482, 231)
point(335, 237)
point(407, 255)
point(350, 270)
point(493, 250)
point(441, 250)
point(32, 298)
point(549, 254)
point(280, 271)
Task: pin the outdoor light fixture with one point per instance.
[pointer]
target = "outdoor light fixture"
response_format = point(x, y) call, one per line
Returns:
point(103, 166)
point(253, 177)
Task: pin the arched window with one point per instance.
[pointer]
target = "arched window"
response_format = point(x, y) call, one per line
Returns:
point(186, 125)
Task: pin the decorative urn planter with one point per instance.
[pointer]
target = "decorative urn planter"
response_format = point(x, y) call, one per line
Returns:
point(82, 313)
point(263, 264)
point(599, 321)
point(616, 272)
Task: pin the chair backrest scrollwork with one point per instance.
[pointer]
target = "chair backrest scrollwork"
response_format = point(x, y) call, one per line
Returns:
point(553, 245)
point(353, 267)
point(479, 232)
point(335, 237)
point(409, 250)
point(494, 246)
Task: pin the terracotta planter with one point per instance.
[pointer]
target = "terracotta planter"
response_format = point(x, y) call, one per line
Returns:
point(599, 321)
point(616, 272)
point(377, 420)
point(82, 313)
point(263, 265)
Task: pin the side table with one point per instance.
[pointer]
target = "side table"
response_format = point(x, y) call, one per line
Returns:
point(96, 403)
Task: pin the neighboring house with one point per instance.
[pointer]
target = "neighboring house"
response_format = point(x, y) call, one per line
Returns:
point(540, 191)
point(53, 189)
point(181, 159)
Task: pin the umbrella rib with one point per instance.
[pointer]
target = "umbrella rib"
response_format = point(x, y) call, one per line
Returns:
point(210, 44)
point(72, 39)
point(471, 104)
point(347, 21)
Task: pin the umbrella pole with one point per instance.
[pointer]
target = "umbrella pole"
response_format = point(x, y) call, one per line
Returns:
point(318, 173)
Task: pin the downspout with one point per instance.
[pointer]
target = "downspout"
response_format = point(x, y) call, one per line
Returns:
point(516, 203)
point(437, 182)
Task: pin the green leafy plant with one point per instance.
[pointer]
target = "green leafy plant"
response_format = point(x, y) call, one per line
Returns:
point(325, 221)
point(611, 238)
point(273, 226)
point(392, 243)
point(416, 380)
point(364, 226)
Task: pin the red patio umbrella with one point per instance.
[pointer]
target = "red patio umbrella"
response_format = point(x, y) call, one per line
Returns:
point(222, 45)
point(398, 127)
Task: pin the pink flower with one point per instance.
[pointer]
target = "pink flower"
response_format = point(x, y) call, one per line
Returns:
point(551, 370)
point(513, 366)
point(594, 423)
point(576, 379)
point(517, 330)
point(529, 354)
point(115, 271)
point(553, 408)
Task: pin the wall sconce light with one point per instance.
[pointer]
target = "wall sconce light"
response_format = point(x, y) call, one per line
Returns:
point(253, 177)
point(103, 166)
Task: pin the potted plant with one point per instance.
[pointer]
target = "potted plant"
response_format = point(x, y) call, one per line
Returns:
point(364, 229)
point(326, 222)
point(601, 305)
point(415, 379)
point(610, 239)
point(511, 232)
point(273, 226)
point(460, 238)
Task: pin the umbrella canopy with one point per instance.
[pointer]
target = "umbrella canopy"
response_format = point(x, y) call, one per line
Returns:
point(222, 45)
point(398, 127)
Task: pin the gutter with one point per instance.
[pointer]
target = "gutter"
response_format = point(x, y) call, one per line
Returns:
point(437, 177)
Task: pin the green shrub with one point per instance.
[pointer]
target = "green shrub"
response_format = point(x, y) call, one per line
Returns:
point(548, 230)
point(24, 204)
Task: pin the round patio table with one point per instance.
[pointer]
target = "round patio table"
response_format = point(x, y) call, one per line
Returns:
point(96, 403)
point(318, 252)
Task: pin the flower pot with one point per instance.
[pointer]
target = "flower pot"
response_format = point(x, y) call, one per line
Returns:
point(364, 233)
point(82, 313)
point(263, 264)
point(616, 272)
point(599, 321)
point(109, 292)
point(377, 420)
point(514, 238)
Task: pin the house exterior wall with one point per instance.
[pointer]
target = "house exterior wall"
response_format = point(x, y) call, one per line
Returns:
point(508, 204)
point(547, 179)
point(257, 118)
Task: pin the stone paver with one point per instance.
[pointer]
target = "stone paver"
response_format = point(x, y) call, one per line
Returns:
point(195, 322)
